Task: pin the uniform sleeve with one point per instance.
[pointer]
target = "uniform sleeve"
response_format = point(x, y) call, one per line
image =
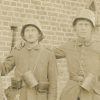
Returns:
point(52, 77)
point(89, 82)
point(92, 77)
point(8, 64)
point(60, 52)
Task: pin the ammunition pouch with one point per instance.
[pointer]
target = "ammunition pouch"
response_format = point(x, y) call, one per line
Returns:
point(30, 79)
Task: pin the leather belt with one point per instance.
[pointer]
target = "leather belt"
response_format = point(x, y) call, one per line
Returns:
point(77, 78)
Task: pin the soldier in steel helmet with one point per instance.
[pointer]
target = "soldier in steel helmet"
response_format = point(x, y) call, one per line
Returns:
point(35, 76)
point(83, 60)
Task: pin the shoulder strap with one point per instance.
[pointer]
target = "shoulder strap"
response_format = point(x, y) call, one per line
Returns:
point(37, 60)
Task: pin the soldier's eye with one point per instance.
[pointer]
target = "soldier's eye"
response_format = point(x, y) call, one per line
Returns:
point(26, 30)
point(32, 29)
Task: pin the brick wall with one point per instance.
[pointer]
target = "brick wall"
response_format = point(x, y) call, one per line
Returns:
point(55, 17)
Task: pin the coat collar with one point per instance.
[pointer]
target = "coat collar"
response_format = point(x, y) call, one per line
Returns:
point(80, 43)
point(37, 47)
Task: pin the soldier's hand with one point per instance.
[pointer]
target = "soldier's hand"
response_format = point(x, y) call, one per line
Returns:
point(19, 44)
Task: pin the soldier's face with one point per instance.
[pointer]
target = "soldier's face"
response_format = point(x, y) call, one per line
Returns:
point(83, 29)
point(31, 34)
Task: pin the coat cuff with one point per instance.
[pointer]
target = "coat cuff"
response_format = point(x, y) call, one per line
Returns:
point(89, 82)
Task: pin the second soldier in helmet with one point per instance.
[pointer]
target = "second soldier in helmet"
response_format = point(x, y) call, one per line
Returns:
point(83, 60)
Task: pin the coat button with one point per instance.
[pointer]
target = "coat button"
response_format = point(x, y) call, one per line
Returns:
point(81, 73)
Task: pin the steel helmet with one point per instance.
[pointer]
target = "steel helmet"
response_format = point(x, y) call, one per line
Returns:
point(85, 14)
point(35, 23)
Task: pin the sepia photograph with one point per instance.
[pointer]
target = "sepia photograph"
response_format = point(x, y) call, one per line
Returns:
point(49, 49)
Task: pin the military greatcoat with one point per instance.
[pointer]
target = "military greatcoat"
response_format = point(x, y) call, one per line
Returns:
point(24, 59)
point(84, 70)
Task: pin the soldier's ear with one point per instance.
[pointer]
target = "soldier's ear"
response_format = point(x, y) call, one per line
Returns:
point(74, 28)
point(93, 30)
